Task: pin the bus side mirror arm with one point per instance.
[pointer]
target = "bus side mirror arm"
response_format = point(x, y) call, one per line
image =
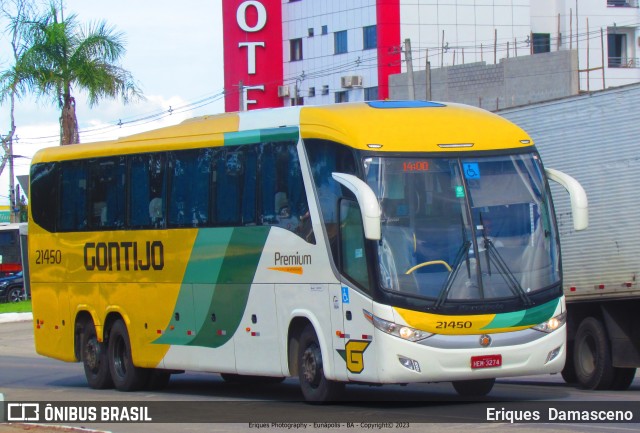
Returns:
point(369, 206)
point(579, 204)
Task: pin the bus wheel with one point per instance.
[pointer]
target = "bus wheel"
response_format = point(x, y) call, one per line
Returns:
point(474, 388)
point(316, 388)
point(592, 356)
point(622, 378)
point(95, 358)
point(126, 376)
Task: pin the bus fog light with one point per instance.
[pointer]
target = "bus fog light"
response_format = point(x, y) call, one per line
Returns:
point(553, 354)
point(411, 364)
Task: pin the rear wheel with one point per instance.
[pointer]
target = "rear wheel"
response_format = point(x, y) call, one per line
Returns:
point(474, 388)
point(95, 358)
point(592, 355)
point(316, 388)
point(126, 376)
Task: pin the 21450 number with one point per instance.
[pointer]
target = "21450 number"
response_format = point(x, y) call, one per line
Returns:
point(48, 257)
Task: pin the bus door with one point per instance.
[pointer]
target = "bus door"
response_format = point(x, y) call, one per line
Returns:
point(359, 352)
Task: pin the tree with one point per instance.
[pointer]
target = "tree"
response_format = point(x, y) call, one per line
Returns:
point(11, 85)
point(62, 58)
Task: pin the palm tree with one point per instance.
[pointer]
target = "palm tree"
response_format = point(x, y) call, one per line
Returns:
point(62, 58)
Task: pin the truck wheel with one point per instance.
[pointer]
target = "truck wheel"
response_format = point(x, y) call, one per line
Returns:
point(569, 370)
point(473, 388)
point(316, 388)
point(94, 358)
point(126, 376)
point(592, 355)
point(622, 378)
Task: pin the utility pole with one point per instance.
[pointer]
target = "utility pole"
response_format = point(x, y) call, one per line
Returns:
point(241, 94)
point(427, 78)
point(409, 61)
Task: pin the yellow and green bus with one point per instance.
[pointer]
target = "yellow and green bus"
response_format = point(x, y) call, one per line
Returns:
point(379, 242)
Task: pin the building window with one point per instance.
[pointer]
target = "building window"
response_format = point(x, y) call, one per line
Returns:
point(325, 30)
point(325, 90)
point(340, 42)
point(296, 49)
point(297, 101)
point(370, 37)
point(541, 43)
point(617, 49)
point(371, 94)
point(623, 3)
point(310, 32)
point(342, 97)
point(312, 91)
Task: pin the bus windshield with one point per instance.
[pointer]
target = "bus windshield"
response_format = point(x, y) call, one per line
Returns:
point(464, 229)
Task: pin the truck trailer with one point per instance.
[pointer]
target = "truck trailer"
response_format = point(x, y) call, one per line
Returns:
point(595, 137)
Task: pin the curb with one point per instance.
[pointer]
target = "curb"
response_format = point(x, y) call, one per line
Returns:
point(15, 317)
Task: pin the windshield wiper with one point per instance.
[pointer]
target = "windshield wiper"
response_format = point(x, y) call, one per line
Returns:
point(444, 292)
point(505, 272)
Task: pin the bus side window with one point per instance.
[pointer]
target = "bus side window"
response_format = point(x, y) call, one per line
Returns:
point(283, 199)
point(353, 260)
point(44, 195)
point(190, 183)
point(73, 197)
point(148, 191)
point(107, 193)
point(235, 186)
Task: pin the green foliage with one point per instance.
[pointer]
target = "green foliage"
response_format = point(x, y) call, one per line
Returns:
point(15, 307)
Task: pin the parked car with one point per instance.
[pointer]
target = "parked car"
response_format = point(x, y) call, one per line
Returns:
point(12, 288)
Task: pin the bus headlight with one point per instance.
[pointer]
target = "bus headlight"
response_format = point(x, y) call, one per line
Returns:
point(400, 331)
point(552, 324)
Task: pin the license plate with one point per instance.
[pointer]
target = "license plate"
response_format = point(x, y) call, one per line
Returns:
point(486, 361)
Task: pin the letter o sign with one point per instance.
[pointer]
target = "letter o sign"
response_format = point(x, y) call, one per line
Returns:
point(241, 16)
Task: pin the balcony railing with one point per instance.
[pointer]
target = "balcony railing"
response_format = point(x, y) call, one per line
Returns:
point(624, 62)
point(623, 3)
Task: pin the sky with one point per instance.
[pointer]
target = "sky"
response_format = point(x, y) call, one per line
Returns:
point(173, 51)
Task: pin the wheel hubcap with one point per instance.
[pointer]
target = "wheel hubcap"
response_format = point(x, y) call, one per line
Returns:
point(311, 365)
point(91, 354)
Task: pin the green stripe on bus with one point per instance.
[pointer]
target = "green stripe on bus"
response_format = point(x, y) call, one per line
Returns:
point(216, 286)
point(289, 133)
point(530, 317)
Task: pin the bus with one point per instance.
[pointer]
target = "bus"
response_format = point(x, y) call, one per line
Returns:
point(374, 243)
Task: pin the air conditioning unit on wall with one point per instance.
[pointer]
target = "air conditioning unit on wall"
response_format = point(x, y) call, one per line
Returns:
point(283, 91)
point(349, 81)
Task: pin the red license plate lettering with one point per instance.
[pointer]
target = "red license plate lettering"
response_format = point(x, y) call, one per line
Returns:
point(486, 361)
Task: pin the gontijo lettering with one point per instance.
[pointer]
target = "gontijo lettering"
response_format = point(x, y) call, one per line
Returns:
point(128, 256)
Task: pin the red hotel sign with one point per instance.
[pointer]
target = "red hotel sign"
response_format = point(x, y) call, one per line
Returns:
point(252, 53)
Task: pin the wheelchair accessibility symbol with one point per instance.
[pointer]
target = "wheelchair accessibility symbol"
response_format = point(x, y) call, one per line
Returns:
point(471, 170)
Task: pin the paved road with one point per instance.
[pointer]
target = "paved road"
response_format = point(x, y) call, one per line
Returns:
point(26, 376)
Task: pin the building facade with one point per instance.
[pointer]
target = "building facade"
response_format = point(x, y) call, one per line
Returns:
point(288, 52)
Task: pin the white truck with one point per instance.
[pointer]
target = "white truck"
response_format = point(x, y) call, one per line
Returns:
point(595, 138)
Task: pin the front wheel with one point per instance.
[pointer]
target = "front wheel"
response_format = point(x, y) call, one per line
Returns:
point(316, 388)
point(474, 388)
point(126, 376)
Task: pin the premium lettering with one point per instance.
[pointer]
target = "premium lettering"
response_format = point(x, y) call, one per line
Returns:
point(292, 259)
point(127, 256)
